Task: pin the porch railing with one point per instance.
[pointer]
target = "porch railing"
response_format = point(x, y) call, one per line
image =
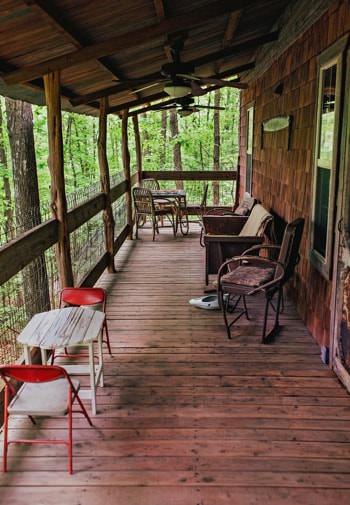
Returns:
point(89, 258)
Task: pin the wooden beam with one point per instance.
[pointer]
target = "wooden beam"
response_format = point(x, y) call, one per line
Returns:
point(56, 164)
point(108, 218)
point(190, 175)
point(158, 96)
point(231, 28)
point(160, 9)
point(51, 14)
point(135, 112)
point(138, 148)
point(193, 17)
point(126, 166)
point(231, 51)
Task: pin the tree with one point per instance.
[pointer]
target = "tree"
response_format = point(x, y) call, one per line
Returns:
point(7, 206)
point(163, 132)
point(177, 160)
point(216, 150)
point(27, 203)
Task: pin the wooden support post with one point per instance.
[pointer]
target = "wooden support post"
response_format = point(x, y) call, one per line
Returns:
point(108, 218)
point(138, 148)
point(126, 165)
point(56, 165)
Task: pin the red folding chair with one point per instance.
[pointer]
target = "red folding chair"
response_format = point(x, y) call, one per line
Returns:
point(46, 391)
point(87, 296)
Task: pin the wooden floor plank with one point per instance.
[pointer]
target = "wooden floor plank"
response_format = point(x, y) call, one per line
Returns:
point(187, 417)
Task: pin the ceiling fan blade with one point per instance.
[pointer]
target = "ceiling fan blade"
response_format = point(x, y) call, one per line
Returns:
point(165, 107)
point(196, 89)
point(221, 82)
point(210, 107)
point(147, 86)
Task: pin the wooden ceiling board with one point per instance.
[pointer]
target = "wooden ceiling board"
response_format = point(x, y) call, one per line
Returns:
point(27, 37)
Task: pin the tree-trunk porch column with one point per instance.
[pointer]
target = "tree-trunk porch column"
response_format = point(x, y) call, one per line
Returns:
point(126, 166)
point(56, 165)
point(108, 218)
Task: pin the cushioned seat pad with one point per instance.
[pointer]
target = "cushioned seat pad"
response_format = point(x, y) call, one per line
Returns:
point(249, 276)
point(42, 399)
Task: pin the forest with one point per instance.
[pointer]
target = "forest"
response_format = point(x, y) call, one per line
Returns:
point(205, 140)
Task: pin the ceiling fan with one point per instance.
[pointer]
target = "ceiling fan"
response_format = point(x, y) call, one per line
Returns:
point(185, 106)
point(179, 79)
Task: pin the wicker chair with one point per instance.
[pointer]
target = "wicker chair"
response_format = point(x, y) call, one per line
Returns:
point(248, 275)
point(243, 209)
point(228, 236)
point(145, 208)
point(150, 183)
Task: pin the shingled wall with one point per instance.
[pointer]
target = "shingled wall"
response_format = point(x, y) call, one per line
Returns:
point(282, 178)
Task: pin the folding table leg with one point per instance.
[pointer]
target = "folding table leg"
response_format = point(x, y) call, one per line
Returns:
point(100, 359)
point(92, 378)
point(27, 355)
point(43, 356)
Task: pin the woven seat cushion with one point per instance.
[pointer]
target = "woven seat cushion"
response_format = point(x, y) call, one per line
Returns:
point(249, 276)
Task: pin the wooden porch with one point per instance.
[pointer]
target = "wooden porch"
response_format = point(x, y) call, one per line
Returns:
point(186, 416)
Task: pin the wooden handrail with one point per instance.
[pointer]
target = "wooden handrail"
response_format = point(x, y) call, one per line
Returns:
point(190, 175)
point(25, 248)
point(22, 250)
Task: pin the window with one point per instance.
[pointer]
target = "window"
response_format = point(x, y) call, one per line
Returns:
point(326, 157)
point(249, 155)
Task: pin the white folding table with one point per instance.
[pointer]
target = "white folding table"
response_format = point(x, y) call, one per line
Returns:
point(68, 327)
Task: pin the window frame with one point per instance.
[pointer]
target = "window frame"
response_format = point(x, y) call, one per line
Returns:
point(248, 184)
point(334, 55)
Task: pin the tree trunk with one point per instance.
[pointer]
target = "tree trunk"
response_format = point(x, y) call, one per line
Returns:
point(8, 210)
point(70, 151)
point(27, 203)
point(138, 148)
point(174, 129)
point(216, 151)
point(126, 166)
point(56, 165)
point(108, 218)
point(163, 131)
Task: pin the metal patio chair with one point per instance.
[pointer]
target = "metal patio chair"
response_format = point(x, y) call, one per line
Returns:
point(248, 275)
point(46, 391)
point(89, 297)
point(146, 208)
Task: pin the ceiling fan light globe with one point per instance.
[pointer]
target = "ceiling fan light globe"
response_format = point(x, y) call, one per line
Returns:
point(176, 90)
point(184, 112)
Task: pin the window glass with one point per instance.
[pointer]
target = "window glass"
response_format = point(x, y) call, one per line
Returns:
point(249, 154)
point(321, 210)
point(327, 99)
point(327, 120)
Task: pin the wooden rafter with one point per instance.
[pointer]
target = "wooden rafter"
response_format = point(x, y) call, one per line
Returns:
point(159, 96)
point(208, 58)
point(38, 85)
point(136, 112)
point(139, 36)
point(113, 90)
point(230, 30)
point(231, 27)
point(54, 17)
point(160, 9)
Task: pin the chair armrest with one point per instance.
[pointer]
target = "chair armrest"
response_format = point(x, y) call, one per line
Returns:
point(218, 211)
point(223, 225)
point(233, 239)
point(262, 246)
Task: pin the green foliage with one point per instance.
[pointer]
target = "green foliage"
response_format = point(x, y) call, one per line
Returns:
point(80, 133)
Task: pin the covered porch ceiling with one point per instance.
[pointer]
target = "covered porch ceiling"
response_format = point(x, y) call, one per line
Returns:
point(98, 45)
